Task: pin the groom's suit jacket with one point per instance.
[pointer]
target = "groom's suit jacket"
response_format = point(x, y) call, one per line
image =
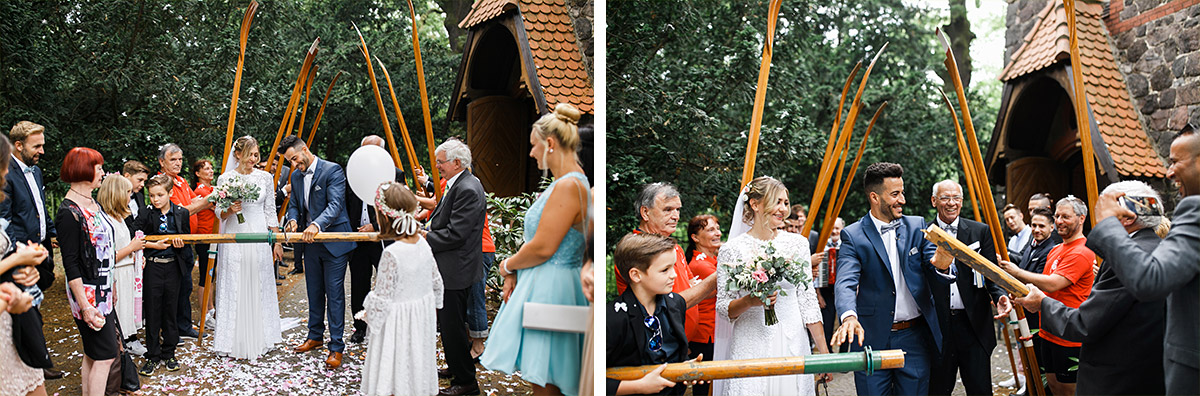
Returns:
point(865, 284)
point(21, 212)
point(325, 204)
point(456, 232)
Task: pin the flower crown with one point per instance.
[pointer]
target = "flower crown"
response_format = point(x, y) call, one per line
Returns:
point(402, 222)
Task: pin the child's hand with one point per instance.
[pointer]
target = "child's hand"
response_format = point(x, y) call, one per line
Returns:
point(30, 253)
point(158, 245)
point(177, 242)
point(653, 382)
point(26, 276)
point(137, 243)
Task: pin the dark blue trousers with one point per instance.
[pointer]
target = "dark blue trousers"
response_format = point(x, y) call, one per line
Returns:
point(919, 348)
point(324, 277)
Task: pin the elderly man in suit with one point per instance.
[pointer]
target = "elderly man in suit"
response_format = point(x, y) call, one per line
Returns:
point(456, 238)
point(1112, 322)
point(25, 209)
point(1171, 270)
point(883, 287)
point(965, 306)
point(318, 203)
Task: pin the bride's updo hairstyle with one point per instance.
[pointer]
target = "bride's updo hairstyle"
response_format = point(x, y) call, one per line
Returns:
point(562, 124)
point(241, 144)
point(395, 205)
point(766, 190)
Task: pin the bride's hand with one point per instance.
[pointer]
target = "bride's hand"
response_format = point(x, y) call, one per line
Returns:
point(236, 207)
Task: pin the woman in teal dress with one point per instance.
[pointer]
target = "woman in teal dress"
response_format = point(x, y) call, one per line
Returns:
point(546, 269)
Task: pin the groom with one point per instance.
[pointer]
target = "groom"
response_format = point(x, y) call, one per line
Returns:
point(318, 191)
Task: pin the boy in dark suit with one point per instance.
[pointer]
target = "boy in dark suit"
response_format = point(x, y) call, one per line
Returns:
point(165, 263)
point(645, 323)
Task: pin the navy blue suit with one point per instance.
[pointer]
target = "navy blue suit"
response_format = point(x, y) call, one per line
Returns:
point(324, 263)
point(24, 221)
point(865, 285)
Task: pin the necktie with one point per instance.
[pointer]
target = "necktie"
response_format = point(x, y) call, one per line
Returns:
point(889, 227)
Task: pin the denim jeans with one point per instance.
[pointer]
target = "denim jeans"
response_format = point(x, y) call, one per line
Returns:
point(477, 320)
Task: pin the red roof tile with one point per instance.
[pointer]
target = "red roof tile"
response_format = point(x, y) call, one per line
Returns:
point(1049, 43)
point(552, 44)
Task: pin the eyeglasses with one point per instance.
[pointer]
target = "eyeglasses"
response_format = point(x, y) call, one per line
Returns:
point(443, 161)
point(656, 339)
point(162, 223)
point(949, 198)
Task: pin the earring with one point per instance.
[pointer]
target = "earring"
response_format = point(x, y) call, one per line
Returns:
point(551, 150)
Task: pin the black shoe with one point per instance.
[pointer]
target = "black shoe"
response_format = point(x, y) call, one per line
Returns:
point(51, 374)
point(189, 333)
point(172, 365)
point(278, 284)
point(148, 368)
point(280, 277)
point(358, 336)
point(456, 390)
point(445, 374)
point(296, 271)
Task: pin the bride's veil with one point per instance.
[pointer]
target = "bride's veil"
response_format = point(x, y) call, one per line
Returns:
point(724, 330)
point(231, 162)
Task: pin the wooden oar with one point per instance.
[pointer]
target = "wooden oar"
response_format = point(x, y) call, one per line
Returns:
point(760, 94)
point(244, 35)
point(963, 156)
point(289, 112)
point(867, 360)
point(987, 203)
point(206, 299)
point(272, 237)
point(387, 128)
point(408, 147)
point(321, 112)
point(308, 83)
point(826, 164)
point(836, 205)
point(965, 255)
point(1081, 111)
point(437, 188)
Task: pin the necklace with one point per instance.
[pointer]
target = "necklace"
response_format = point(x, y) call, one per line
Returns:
point(88, 196)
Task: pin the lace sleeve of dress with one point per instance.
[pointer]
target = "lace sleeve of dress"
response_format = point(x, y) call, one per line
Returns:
point(439, 287)
point(379, 299)
point(727, 257)
point(268, 202)
point(810, 310)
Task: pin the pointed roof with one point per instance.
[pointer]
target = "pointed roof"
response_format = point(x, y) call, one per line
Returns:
point(551, 43)
point(1049, 44)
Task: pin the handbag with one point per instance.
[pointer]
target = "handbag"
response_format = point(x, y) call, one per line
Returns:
point(122, 375)
point(28, 339)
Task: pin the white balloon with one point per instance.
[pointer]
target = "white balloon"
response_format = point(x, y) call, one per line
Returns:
point(369, 166)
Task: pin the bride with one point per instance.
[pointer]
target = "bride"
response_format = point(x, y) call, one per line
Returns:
point(247, 321)
point(741, 330)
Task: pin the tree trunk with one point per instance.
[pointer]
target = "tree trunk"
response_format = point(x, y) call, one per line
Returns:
point(456, 11)
point(960, 35)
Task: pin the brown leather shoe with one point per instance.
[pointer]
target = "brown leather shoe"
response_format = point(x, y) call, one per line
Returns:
point(308, 345)
point(334, 360)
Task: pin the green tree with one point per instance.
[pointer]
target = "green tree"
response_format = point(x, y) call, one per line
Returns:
point(681, 80)
point(126, 77)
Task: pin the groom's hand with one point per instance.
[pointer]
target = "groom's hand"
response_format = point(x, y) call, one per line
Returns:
point(310, 232)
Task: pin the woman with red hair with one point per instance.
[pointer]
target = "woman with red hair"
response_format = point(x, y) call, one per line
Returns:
point(88, 254)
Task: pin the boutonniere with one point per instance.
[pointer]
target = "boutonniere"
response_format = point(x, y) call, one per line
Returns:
point(618, 307)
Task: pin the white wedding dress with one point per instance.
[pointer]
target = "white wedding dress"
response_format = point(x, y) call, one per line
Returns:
point(752, 338)
point(247, 319)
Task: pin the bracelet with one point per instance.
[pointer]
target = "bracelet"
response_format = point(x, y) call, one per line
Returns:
point(504, 268)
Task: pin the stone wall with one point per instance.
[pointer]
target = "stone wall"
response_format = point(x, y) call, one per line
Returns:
point(1021, 18)
point(1157, 48)
point(583, 17)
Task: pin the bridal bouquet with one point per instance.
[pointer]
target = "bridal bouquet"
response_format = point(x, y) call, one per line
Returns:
point(233, 190)
point(761, 277)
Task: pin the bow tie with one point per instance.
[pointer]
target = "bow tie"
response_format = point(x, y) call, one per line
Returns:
point(27, 170)
point(308, 172)
point(889, 227)
point(950, 228)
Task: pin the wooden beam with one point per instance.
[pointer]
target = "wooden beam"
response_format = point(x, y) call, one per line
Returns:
point(760, 94)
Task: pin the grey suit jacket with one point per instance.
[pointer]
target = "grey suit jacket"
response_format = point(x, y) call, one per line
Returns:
point(1121, 335)
point(1172, 270)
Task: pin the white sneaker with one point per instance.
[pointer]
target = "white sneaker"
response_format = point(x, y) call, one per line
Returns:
point(136, 348)
point(1012, 382)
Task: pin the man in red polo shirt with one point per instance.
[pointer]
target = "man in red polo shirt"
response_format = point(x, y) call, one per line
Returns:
point(1068, 278)
point(170, 161)
point(658, 213)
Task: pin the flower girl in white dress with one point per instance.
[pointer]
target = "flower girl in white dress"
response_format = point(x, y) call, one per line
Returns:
point(401, 310)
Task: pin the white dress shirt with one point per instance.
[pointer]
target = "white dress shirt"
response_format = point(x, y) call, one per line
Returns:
point(955, 296)
point(450, 182)
point(34, 189)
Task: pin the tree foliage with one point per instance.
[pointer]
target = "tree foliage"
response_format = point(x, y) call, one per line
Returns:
point(126, 77)
point(681, 81)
